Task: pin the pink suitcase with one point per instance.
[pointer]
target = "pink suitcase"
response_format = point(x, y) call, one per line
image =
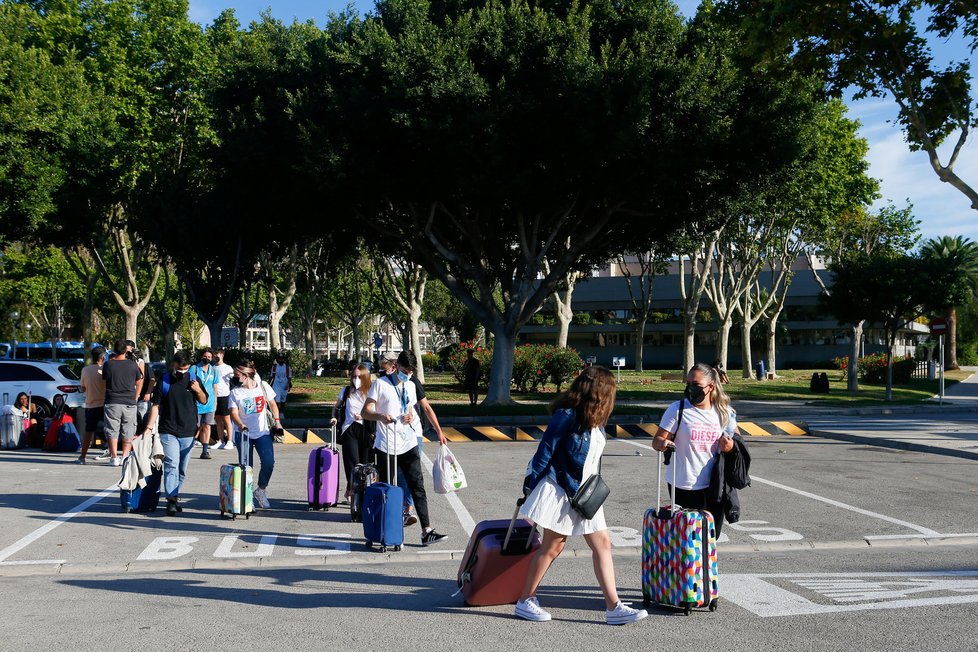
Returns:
point(323, 475)
point(496, 561)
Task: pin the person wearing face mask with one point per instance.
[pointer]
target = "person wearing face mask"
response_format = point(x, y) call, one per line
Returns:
point(354, 433)
point(281, 381)
point(175, 401)
point(249, 405)
point(703, 432)
point(209, 379)
point(390, 402)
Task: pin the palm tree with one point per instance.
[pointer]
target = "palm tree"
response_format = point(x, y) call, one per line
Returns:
point(962, 254)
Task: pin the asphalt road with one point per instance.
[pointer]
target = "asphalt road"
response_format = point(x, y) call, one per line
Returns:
point(842, 546)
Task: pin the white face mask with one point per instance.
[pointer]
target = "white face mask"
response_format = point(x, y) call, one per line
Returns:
point(356, 383)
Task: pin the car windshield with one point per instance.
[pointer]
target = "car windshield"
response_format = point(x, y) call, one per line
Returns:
point(67, 372)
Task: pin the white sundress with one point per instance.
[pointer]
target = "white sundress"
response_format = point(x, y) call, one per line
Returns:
point(549, 506)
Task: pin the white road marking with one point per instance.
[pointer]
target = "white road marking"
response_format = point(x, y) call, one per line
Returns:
point(835, 503)
point(890, 537)
point(856, 591)
point(468, 523)
point(927, 532)
point(265, 547)
point(325, 544)
point(765, 533)
point(167, 548)
point(14, 548)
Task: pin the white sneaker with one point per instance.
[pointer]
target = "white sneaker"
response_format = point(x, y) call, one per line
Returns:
point(116, 461)
point(622, 614)
point(104, 455)
point(530, 609)
point(261, 497)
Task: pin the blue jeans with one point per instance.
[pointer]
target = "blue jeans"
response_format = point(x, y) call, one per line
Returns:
point(266, 453)
point(176, 457)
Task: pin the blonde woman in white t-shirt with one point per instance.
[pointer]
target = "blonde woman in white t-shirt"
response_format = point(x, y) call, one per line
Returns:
point(248, 404)
point(354, 432)
point(707, 421)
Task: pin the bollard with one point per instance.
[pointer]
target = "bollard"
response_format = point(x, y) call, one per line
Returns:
point(761, 372)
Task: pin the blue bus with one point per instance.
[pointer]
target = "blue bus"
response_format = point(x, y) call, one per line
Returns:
point(63, 350)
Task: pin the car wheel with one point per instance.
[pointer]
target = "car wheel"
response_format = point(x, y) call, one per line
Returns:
point(44, 408)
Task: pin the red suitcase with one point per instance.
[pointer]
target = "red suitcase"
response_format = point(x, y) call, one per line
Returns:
point(497, 560)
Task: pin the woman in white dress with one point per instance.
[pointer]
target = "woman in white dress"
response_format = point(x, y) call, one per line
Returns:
point(568, 454)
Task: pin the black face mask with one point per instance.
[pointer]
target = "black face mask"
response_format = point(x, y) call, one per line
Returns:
point(695, 393)
point(176, 374)
point(235, 382)
point(205, 361)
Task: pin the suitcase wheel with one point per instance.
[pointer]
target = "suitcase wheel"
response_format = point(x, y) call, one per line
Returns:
point(397, 548)
point(383, 548)
point(688, 608)
point(714, 604)
point(370, 544)
point(646, 602)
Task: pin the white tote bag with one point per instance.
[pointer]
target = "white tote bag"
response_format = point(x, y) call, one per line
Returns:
point(447, 472)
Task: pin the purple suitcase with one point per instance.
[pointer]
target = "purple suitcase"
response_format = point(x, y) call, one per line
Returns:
point(323, 475)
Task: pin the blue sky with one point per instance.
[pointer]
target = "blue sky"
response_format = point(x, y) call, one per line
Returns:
point(904, 175)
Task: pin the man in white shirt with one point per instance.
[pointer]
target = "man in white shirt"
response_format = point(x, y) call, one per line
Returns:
point(222, 417)
point(390, 403)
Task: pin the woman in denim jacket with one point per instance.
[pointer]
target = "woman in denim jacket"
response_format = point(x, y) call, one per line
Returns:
point(569, 454)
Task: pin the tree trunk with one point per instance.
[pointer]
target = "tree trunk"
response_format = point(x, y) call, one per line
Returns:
point(889, 365)
point(274, 340)
point(852, 384)
point(746, 359)
point(723, 341)
point(214, 330)
point(951, 350)
point(357, 345)
point(640, 343)
point(689, 340)
point(501, 369)
point(414, 332)
point(564, 313)
point(88, 314)
point(132, 318)
point(772, 343)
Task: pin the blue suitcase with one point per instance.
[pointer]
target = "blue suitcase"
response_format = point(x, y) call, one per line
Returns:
point(383, 514)
point(143, 499)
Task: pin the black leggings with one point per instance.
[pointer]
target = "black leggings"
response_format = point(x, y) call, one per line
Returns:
point(410, 464)
point(696, 499)
point(356, 449)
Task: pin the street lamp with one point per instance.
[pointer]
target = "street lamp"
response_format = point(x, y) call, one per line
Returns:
point(14, 316)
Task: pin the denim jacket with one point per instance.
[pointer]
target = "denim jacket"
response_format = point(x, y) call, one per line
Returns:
point(561, 454)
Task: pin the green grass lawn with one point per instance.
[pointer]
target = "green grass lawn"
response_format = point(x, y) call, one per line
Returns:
point(450, 400)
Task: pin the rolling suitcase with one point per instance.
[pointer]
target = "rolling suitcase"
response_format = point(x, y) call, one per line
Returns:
point(143, 499)
point(11, 427)
point(323, 475)
point(235, 495)
point(364, 475)
point(679, 554)
point(383, 513)
point(497, 560)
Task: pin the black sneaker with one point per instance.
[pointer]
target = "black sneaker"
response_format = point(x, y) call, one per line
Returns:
point(206, 455)
point(171, 508)
point(409, 519)
point(431, 537)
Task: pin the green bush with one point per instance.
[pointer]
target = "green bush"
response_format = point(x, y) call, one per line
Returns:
point(297, 359)
point(430, 361)
point(872, 369)
point(561, 365)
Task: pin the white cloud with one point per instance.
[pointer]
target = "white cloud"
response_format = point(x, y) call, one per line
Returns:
point(906, 175)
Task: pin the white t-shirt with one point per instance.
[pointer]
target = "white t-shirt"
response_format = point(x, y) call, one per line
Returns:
point(355, 400)
point(696, 444)
point(251, 406)
point(224, 373)
point(398, 437)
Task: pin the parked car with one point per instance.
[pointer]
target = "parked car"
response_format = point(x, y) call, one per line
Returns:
point(41, 380)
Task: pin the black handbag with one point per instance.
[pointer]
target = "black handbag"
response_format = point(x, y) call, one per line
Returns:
point(591, 495)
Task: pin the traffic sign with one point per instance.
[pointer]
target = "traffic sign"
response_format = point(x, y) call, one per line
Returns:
point(938, 326)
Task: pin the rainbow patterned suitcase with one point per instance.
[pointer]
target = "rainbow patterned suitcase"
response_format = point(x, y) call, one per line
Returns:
point(679, 559)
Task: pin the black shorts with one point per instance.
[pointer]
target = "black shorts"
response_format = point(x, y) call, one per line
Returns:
point(222, 406)
point(93, 417)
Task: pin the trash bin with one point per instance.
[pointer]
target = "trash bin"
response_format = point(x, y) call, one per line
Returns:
point(761, 371)
point(931, 369)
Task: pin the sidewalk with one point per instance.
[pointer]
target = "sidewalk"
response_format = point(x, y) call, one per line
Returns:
point(897, 429)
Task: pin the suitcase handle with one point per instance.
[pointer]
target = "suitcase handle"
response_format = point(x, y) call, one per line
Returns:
point(658, 486)
point(512, 526)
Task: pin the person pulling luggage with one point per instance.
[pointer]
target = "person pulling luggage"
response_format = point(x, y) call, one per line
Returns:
point(567, 457)
point(390, 402)
point(697, 428)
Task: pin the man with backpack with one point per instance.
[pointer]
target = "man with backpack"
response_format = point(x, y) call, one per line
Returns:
point(175, 401)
